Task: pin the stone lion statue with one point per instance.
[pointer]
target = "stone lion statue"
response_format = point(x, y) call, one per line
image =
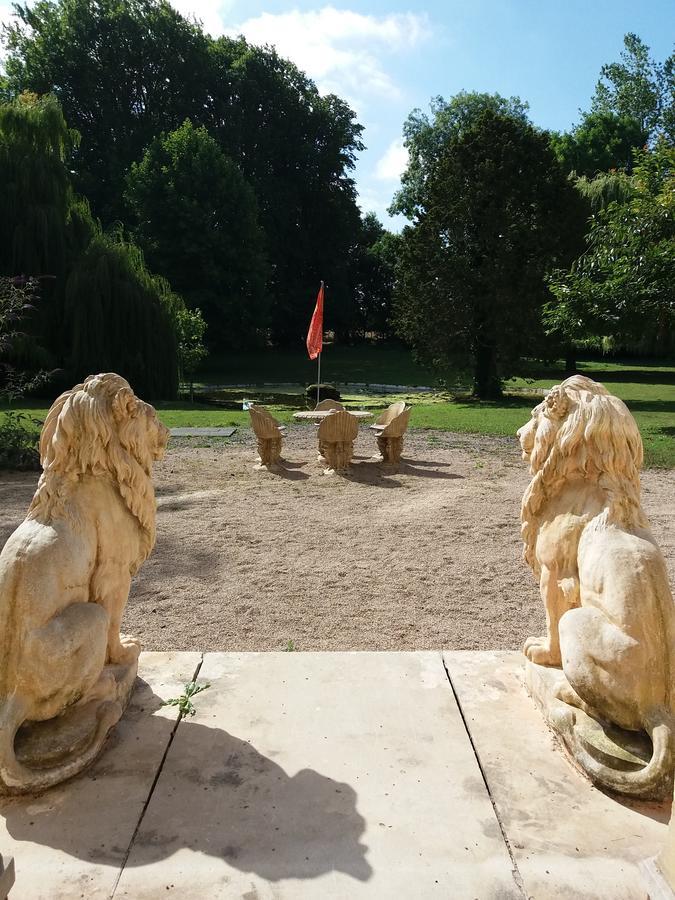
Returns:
point(65, 672)
point(609, 609)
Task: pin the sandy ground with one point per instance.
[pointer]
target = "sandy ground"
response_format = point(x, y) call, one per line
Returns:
point(427, 558)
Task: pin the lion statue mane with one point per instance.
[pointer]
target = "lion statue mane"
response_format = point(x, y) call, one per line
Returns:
point(603, 580)
point(65, 575)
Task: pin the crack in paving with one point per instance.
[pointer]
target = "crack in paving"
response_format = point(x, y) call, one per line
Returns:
point(179, 718)
point(515, 871)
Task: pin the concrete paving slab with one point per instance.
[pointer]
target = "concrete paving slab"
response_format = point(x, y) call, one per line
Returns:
point(202, 432)
point(71, 841)
point(569, 839)
point(331, 775)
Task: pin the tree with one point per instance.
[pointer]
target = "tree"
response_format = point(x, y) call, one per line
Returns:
point(127, 70)
point(191, 349)
point(631, 87)
point(119, 317)
point(35, 147)
point(196, 219)
point(99, 306)
point(20, 357)
point(494, 215)
point(638, 88)
point(601, 142)
point(426, 139)
point(624, 284)
point(297, 149)
point(374, 262)
point(122, 70)
point(606, 188)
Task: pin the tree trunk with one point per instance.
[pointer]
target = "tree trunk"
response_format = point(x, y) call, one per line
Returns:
point(486, 383)
point(570, 360)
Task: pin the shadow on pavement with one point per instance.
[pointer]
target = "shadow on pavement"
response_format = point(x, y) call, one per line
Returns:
point(217, 795)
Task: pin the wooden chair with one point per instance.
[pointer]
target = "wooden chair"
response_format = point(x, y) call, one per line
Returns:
point(337, 434)
point(390, 413)
point(390, 437)
point(326, 404)
point(269, 435)
point(329, 404)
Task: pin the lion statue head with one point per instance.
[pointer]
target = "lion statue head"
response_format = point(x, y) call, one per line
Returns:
point(101, 428)
point(580, 430)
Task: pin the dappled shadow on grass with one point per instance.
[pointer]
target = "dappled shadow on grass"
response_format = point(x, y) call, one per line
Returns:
point(657, 406)
point(638, 376)
point(508, 401)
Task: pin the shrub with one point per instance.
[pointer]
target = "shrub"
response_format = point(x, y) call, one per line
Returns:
point(19, 437)
point(326, 392)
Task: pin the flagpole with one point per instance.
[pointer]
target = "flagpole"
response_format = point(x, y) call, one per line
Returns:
point(318, 380)
point(318, 376)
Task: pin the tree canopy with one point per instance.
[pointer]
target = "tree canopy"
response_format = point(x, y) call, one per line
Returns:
point(196, 219)
point(624, 284)
point(493, 216)
point(638, 88)
point(126, 71)
point(426, 138)
point(601, 142)
point(99, 306)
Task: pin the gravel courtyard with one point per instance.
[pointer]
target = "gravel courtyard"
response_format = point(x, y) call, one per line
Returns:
point(427, 558)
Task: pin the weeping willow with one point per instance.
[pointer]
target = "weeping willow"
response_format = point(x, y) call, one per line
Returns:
point(101, 309)
point(35, 189)
point(119, 317)
point(605, 189)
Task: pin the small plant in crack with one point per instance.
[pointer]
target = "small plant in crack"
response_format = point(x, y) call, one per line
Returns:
point(290, 647)
point(184, 702)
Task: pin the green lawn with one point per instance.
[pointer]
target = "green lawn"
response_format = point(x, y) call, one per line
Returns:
point(649, 392)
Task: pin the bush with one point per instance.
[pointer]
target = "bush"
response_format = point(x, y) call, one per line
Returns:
point(326, 392)
point(19, 437)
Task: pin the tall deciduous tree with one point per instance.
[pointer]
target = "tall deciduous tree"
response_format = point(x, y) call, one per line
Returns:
point(624, 284)
point(494, 214)
point(123, 70)
point(99, 306)
point(297, 149)
point(375, 256)
point(196, 219)
point(638, 88)
point(602, 141)
point(127, 70)
point(426, 138)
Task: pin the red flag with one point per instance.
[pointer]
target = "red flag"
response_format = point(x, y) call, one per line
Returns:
point(315, 333)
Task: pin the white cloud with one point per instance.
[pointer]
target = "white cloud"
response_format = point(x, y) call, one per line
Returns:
point(342, 50)
point(208, 12)
point(391, 165)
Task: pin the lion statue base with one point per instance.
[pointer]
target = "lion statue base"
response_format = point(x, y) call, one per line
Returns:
point(66, 673)
point(603, 674)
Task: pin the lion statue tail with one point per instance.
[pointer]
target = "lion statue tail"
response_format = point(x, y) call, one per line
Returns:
point(16, 778)
point(653, 781)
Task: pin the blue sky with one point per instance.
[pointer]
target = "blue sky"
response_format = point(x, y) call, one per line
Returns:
point(386, 57)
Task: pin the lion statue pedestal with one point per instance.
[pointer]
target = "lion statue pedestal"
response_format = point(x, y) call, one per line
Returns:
point(603, 672)
point(66, 674)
